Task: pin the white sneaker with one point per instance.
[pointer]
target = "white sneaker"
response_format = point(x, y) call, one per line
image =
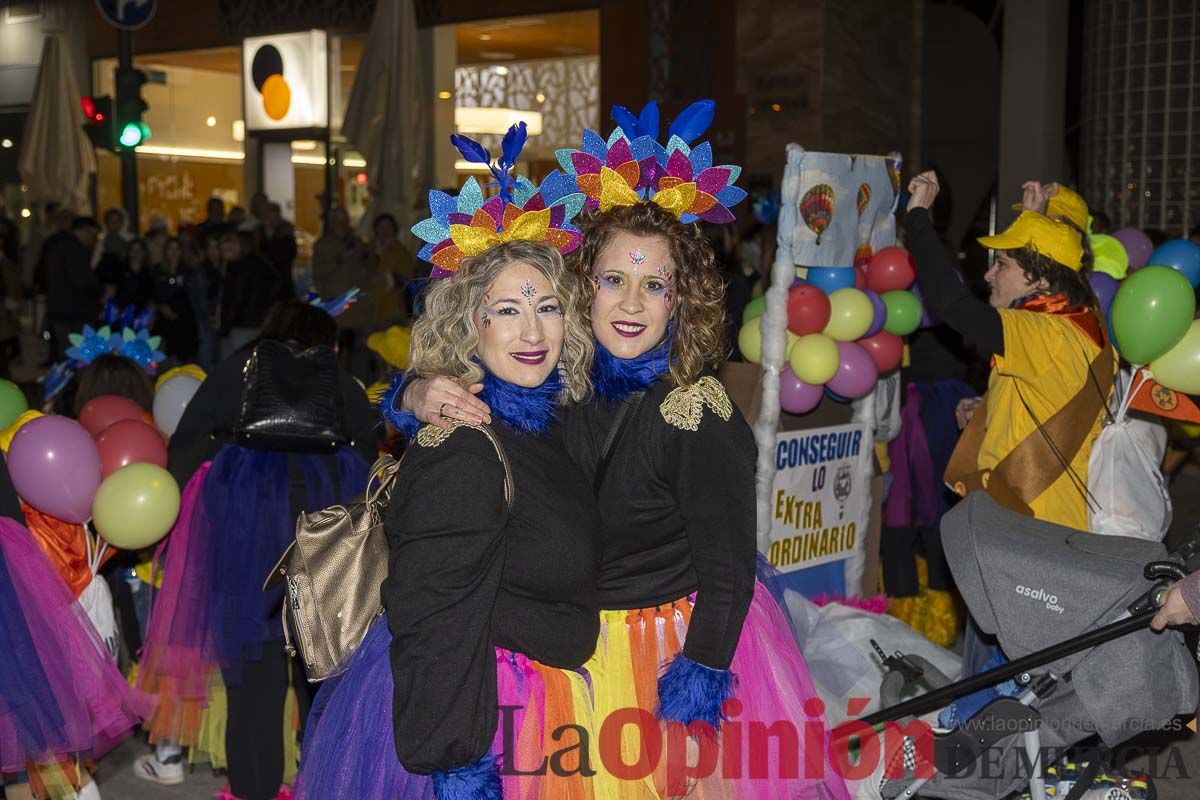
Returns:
point(149, 768)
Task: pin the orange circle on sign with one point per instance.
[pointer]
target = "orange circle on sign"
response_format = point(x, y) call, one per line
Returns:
point(277, 97)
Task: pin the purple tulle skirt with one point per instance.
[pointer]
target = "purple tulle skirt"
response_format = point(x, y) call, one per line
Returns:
point(61, 692)
point(348, 746)
point(236, 519)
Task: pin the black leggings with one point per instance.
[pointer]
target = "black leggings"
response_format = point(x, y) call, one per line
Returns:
point(898, 549)
point(253, 738)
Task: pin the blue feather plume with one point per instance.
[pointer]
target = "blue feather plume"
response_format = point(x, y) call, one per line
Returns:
point(626, 121)
point(693, 121)
point(647, 124)
point(471, 150)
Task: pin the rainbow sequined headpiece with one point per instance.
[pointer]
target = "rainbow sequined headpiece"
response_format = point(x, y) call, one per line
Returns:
point(467, 225)
point(633, 167)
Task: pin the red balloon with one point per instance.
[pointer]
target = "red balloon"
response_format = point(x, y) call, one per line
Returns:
point(891, 269)
point(886, 350)
point(807, 310)
point(107, 410)
point(130, 441)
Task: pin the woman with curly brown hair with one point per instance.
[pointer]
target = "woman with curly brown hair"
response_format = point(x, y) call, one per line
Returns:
point(687, 633)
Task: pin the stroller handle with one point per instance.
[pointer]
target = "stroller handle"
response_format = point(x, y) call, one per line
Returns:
point(935, 700)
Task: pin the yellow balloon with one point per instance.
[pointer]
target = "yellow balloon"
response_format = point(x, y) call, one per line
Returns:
point(1179, 367)
point(850, 315)
point(136, 506)
point(750, 340)
point(6, 435)
point(791, 342)
point(802, 273)
point(277, 97)
point(815, 358)
point(192, 370)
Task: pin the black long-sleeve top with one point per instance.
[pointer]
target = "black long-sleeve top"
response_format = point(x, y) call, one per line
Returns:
point(678, 516)
point(468, 574)
point(948, 298)
point(213, 412)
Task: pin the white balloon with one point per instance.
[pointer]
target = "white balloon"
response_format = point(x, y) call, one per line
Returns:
point(171, 400)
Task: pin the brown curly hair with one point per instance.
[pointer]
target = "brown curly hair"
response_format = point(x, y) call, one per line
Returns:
point(699, 312)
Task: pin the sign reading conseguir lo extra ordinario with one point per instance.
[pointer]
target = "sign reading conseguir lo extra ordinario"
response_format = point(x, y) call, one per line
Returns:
point(821, 496)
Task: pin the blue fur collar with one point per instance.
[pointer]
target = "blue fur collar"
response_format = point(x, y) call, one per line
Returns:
point(617, 378)
point(522, 409)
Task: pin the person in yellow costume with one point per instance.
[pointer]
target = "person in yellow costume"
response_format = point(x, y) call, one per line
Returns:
point(1052, 364)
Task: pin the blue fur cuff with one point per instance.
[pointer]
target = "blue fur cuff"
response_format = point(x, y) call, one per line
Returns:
point(690, 692)
point(477, 781)
point(389, 406)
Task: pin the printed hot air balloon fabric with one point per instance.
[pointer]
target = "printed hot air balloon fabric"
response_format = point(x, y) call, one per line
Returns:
point(466, 225)
point(817, 207)
point(840, 208)
point(633, 167)
point(864, 197)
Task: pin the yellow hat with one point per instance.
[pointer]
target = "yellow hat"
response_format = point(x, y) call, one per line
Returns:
point(392, 345)
point(6, 435)
point(1064, 203)
point(1053, 239)
point(1108, 255)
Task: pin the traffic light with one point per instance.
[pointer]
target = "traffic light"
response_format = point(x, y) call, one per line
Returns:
point(129, 128)
point(99, 124)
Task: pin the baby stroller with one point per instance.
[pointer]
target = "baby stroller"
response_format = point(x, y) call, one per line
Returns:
point(1072, 610)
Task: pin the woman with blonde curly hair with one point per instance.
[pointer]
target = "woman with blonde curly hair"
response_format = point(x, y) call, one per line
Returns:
point(687, 632)
point(490, 596)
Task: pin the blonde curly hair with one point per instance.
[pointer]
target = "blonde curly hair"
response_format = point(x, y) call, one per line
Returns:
point(445, 339)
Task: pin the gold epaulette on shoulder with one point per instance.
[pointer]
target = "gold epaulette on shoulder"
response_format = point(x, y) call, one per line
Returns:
point(684, 405)
point(433, 436)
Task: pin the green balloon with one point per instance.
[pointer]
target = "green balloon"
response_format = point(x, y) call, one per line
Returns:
point(755, 308)
point(903, 312)
point(1151, 313)
point(1179, 367)
point(12, 403)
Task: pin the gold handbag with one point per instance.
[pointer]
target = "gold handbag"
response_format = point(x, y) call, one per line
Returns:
point(332, 572)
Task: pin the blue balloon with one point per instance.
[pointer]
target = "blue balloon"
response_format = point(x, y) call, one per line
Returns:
point(835, 397)
point(830, 279)
point(1180, 255)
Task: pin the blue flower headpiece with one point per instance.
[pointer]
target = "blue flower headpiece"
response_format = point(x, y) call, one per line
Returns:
point(137, 345)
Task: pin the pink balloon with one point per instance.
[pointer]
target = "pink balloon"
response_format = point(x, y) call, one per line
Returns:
point(55, 467)
point(857, 373)
point(796, 396)
point(1137, 246)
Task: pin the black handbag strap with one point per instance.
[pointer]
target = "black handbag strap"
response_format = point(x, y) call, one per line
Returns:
point(627, 411)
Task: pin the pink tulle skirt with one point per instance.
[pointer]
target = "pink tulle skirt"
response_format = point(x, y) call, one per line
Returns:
point(774, 744)
point(61, 693)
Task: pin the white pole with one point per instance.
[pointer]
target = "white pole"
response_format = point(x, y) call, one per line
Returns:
point(774, 341)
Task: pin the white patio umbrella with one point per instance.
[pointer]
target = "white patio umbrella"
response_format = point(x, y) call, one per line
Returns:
point(387, 116)
point(56, 156)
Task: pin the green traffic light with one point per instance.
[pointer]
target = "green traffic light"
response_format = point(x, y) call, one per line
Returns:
point(131, 135)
